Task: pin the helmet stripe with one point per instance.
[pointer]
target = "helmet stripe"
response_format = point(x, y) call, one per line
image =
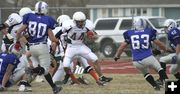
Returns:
point(39, 7)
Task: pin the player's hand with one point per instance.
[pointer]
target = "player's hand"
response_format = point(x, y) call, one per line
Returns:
point(156, 52)
point(17, 45)
point(116, 58)
point(174, 59)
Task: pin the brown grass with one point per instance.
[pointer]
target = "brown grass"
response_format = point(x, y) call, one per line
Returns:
point(121, 84)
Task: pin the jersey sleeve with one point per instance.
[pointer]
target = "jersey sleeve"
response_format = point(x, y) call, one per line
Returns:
point(13, 19)
point(153, 34)
point(126, 37)
point(52, 23)
point(13, 59)
point(89, 25)
point(25, 18)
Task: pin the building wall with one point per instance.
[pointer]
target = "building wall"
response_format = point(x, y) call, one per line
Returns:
point(120, 12)
point(173, 13)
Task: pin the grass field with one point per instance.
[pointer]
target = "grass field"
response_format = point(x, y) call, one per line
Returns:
point(121, 84)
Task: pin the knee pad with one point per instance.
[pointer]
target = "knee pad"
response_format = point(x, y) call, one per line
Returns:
point(39, 70)
point(88, 69)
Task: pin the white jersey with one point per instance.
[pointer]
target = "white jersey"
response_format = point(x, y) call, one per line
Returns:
point(75, 34)
point(14, 22)
point(59, 50)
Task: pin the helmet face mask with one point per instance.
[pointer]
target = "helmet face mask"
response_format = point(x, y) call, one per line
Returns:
point(41, 7)
point(79, 18)
point(139, 23)
point(169, 24)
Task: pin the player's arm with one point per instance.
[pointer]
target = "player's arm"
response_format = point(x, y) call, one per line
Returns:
point(160, 44)
point(120, 50)
point(20, 30)
point(7, 74)
point(53, 38)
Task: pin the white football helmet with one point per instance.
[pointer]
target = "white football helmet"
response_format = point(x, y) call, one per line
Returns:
point(169, 24)
point(79, 16)
point(12, 49)
point(41, 7)
point(62, 18)
point(139, 23)
point(24, 10)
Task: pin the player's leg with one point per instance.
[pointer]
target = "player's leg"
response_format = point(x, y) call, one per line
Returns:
point(165, 60)
point(152, 61)
point(87, 69)
point(59, 74)
point(70, 52)
point(143, 68)
point(91, 56)
point(174, 70)
point(41, 52)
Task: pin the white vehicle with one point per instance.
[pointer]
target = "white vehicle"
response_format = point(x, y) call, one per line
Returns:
point(110, 32)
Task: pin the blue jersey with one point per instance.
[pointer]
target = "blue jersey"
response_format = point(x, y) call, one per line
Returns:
point(174, 37)
point(5, 59)
point(38, 26)
point(140, 41)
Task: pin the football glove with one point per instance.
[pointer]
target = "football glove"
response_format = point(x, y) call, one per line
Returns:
point(156, 52)
point(116, 58)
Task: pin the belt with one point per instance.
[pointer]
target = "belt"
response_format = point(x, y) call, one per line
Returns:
point(37, 43)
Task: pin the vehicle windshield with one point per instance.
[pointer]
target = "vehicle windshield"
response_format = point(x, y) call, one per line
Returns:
point(107, 24)
point(157, 22)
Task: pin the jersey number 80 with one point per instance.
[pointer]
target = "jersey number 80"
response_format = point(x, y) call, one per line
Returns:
point(41, 29)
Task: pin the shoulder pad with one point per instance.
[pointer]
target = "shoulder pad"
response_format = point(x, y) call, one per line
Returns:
point(89, 24)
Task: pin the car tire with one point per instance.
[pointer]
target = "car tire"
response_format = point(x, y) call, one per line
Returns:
point(108, 49)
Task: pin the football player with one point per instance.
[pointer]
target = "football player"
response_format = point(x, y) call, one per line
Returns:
point(140, 39)
point(11, 67)
point(76, 30)
point(39, 26)
point(173, 34)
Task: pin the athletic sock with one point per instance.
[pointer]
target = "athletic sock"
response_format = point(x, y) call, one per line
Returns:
point(150, 79)
point(49, 80)
point(163, 65)
point(73, 78)
point(93, 74)
point(162, 75)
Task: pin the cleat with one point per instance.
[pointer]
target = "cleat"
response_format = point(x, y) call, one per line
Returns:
point(56, 89)
point(105, 79)
point(101, 83)
point(160, 83)
point(23, 88)
point(157, 88)
point(82, 80)
point(39, 78)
